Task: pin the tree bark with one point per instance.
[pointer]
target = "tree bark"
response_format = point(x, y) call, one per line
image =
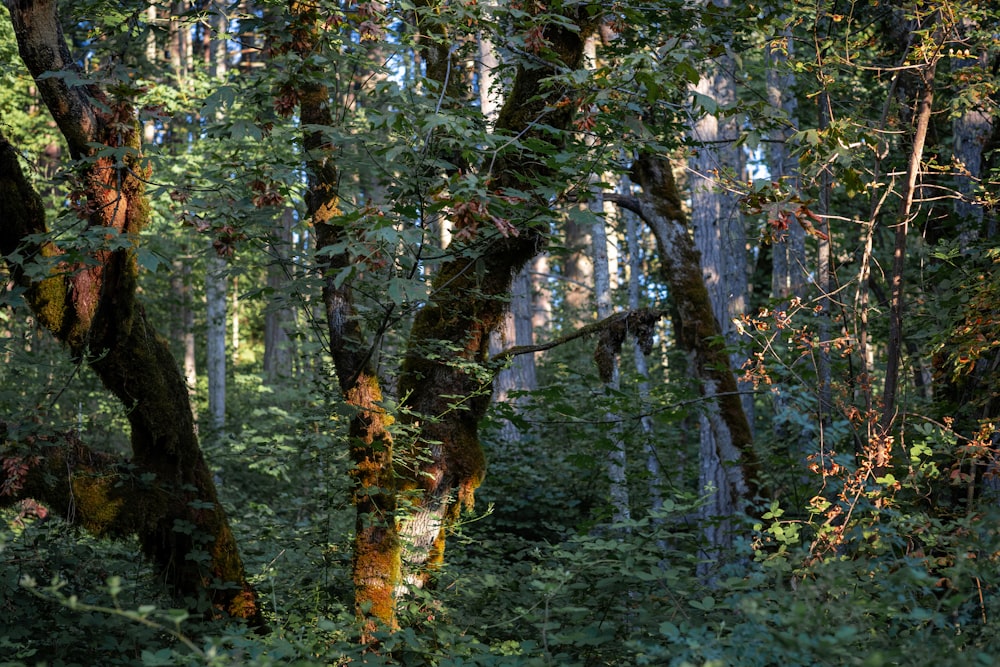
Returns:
point(279, 317)
point(91, 307)
point(578, 274)
point(180, 283)
point(720, 238)
point(788, 274)
point(215, 339)
point(216, 281)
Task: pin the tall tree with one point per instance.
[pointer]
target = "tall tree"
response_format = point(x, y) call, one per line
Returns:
point(440, 383)
point(90, 305)
point(216, 278)
point(376, 559)
point(720, 238)
point(731, 473)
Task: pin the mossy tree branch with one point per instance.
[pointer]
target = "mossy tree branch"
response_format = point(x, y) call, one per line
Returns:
point(91, 489)
point(612, 330)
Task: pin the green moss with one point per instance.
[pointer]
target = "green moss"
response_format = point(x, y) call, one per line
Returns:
point(48, 302)
point(98, 507)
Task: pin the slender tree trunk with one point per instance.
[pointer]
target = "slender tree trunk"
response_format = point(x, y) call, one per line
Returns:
point(486, 66)
point(215, 272)
point(971, 131)
point(611, 370)
point(236, 320)
point(824, 370)
point(789, 271)
point(376, 563)
point(215, 339)
point(632, 235)
point(91, 307)
point(894, 350)
point(279, 316)
point(578, 274)
point(611, 376)
point(729, 470)
point(180, 283)
point(541, 291)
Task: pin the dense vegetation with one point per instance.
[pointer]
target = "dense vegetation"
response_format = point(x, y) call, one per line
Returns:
point(535, 333)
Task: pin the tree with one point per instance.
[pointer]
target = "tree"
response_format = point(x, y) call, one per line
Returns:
point(86, 299)
point(734, 470)
point(467, 302)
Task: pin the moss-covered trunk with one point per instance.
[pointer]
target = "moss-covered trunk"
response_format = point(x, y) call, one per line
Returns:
point(442, 381)
point(91, 307)
point(376, 544)
point(734, 474)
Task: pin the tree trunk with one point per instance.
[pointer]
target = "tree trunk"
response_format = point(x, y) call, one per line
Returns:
point(520, 374)
point(449, 339)
point(279, 317)
point(721, 242)
point(729, 468)
point(971, 131)
point(632, 235)
point(541, 293)
point(894, 351)
point(215, 339)
point(216, 279)
point(611, 372)
point(180, 283)
point(578, 274)
point(91, 307)
point(788, 273)
point(375, 567)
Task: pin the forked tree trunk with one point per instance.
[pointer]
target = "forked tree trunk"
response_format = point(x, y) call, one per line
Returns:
point(91, 307)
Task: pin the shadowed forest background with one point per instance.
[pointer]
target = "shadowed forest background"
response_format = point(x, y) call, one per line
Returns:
point(518, 333)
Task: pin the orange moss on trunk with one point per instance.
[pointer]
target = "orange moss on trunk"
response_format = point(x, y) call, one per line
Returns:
point(91, 307)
